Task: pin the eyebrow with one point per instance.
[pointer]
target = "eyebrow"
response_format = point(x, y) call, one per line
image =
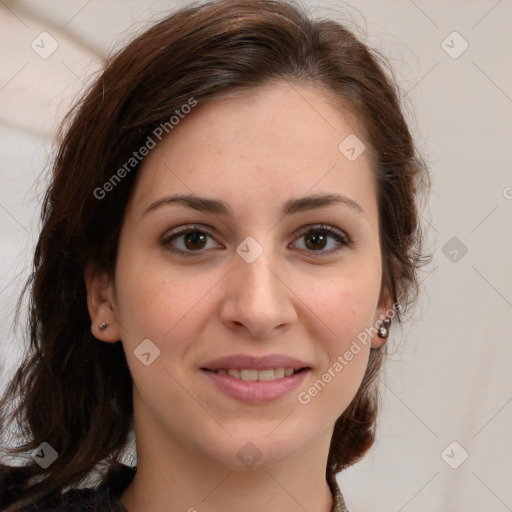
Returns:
point(218, 207)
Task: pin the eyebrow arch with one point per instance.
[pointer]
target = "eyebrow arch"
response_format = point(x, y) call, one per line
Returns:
point(218, 207)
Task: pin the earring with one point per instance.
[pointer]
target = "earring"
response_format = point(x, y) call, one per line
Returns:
point(103, 326)
point(384, 328)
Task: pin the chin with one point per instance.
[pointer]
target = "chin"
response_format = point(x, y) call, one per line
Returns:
point(248, 453)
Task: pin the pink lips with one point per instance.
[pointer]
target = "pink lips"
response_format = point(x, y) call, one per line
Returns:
point(255, 392)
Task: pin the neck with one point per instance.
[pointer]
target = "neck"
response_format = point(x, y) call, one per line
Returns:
point(229, 492)
point(188, 482)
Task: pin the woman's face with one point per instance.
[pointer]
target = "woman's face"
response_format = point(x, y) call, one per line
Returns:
point(251, 283)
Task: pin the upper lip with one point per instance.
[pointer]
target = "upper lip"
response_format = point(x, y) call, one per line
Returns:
point(243, 361)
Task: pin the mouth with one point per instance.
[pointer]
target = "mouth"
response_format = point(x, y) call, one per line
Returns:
point(252, 374)
point(256, 387)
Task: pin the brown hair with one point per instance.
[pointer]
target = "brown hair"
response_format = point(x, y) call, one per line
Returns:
point(75, 392)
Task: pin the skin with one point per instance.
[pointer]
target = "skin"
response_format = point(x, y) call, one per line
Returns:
point(254, 150)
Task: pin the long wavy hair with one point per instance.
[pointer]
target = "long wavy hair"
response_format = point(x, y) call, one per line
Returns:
point(75, 392)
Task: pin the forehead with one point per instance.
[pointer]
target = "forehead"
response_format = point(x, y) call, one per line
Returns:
point(267, 143)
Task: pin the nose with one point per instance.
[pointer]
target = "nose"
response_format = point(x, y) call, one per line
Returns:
point(258, 300)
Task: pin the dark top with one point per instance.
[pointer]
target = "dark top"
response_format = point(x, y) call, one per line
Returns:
point(106, 497)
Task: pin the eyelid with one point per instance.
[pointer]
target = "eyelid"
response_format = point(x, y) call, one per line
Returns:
point(343, 239)
point(341, 236)
point(183, 230)
point(322, 227)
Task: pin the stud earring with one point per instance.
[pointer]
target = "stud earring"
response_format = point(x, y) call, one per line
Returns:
point(384, 328)
point(103, 326)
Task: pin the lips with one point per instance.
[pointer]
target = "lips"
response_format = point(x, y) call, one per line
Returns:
point(255, 392)
point(256, 380)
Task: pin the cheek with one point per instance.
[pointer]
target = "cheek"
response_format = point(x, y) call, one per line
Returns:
point(345, 309)
point(346, 305)
point(159, 302)
point(170, 314)
point(153, 307)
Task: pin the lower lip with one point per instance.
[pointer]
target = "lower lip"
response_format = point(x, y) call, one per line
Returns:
point(256, 392)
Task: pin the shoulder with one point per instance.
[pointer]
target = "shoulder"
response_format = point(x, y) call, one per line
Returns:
point(78, 500)
point(104, 498)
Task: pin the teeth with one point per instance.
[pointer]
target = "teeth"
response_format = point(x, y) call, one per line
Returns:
point(279, 372)
point(253, 375)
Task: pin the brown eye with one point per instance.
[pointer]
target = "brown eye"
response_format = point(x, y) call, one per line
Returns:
point(194, 240)
point(188, 241)
point(315, 241)
point(318, 238)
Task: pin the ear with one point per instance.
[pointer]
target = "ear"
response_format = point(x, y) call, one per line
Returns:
point(101, 304)
point(384, 309)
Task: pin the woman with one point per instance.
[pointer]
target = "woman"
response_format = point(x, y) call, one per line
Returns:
point(231, 229)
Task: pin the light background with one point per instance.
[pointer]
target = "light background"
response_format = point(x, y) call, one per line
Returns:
point(449, 378)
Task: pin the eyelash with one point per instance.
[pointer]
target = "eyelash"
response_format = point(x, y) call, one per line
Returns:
point(341, 238)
